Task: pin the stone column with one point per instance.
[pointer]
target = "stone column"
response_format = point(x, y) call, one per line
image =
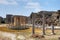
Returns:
point(15, 21)
point(33, 28)
point(43, 24)
point(52, 28)
point(59, 15)
point(11, 20)
point(59, 18)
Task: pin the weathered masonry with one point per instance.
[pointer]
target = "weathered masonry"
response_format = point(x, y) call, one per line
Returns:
point(1, 19)
point(19, 20)
point(8, 18)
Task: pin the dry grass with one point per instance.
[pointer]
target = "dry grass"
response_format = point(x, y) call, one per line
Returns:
point(28, 32)
point(37, 30)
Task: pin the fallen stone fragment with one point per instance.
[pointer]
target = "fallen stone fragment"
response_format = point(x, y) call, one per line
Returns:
point(37, 36)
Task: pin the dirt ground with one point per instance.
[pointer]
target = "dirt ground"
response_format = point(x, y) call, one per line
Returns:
point(28, 32)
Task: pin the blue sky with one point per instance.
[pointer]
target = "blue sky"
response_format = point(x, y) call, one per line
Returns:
point(25, 7)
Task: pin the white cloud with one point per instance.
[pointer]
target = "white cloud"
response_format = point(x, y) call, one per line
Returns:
point(7, 2)
point(24, 0)
point(48, 2)
point(33, 5)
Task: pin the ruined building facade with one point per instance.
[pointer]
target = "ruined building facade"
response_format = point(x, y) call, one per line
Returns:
point(8, 18)
point(1, 20)
point(19, 20)
point(50, 17)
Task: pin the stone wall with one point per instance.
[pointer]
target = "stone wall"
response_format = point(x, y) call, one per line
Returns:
point(50, 17)
point(8, 18)
point(1, 19)
point(19, 20)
